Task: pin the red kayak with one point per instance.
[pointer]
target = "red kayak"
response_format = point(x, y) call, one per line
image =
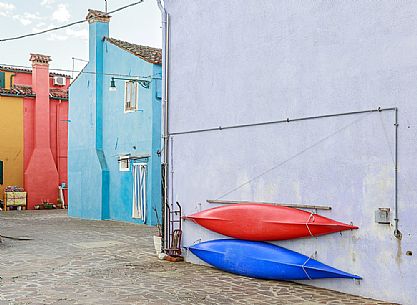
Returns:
point(266, 222)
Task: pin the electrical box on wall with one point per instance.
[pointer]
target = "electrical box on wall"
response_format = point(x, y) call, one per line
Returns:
point(383, 216)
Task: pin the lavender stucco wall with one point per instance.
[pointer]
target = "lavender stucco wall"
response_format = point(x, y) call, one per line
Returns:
point(236, 62)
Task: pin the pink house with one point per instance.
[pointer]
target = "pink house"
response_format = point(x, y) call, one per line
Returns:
point(45, 127)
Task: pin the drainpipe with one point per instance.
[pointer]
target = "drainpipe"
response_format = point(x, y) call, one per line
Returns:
point(165, 91)
point(58, 163)
point(397, 232)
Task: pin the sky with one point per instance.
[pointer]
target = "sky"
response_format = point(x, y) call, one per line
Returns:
point(140, 24)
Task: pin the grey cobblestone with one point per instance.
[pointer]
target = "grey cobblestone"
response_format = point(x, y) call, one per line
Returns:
point(71, 261)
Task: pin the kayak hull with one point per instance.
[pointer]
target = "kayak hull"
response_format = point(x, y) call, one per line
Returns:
point(266, 222)
point(263, 260)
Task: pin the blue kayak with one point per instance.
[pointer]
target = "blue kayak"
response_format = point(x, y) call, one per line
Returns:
point(263, 260)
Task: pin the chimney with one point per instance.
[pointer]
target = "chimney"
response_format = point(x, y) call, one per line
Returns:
point(40, 86)
point(41, 174)
point(97, 16)
point(98, 31)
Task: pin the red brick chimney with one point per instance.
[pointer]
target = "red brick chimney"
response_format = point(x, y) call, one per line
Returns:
point(41, 175)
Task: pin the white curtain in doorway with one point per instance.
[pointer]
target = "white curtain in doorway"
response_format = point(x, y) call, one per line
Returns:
point(139, 191)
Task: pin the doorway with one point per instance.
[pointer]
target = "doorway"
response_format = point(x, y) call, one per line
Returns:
point(139, 171)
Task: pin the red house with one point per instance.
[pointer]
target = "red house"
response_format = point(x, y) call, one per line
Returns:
point(44, 111)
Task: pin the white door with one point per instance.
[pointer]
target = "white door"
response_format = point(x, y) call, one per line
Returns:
point(139, 191)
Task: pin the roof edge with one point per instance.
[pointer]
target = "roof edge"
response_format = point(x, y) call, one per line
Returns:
point(29, 71)
point(117, 42)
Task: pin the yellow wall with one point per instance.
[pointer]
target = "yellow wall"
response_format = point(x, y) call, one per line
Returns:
point(11, 141)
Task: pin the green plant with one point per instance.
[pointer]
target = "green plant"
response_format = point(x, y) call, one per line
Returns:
point(48, 205)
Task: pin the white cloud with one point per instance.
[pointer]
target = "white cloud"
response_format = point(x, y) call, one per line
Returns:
point(56, 37)
point(51, 36)
point(32, 16)
point(61, 14)
point(24, 21)
point(83, 34)
point(6, 8)
point(27, 18)
point(47, 2)
point(42, 27)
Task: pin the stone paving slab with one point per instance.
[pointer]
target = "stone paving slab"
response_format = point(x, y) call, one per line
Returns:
point(71, 261)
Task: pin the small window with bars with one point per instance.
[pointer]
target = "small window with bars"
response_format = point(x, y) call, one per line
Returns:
point(131, 96)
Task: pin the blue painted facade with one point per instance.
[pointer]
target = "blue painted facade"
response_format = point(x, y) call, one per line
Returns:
point(100, 131)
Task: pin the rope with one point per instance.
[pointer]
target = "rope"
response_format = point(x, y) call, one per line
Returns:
point(308, 220)
point(294, 156)
point(387, 139)
point(193, 243)
point(196, 241)
point(305, 271)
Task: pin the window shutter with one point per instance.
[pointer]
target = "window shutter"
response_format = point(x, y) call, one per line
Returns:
point(132, 95)
point(1, 172)
point(135, 96)
point(2, 79)
point(129, 94)
point(126, 95)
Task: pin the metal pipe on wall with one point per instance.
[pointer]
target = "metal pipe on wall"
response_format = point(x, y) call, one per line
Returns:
point(166, 122)
point(172, 170)
point(287, 120)
point(289, 205)
point(397, 232)
point(57, 143)
point(165, 76)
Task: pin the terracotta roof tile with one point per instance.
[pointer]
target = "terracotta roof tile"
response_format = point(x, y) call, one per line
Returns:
point(40, 58)
point(20, 90)
point(29, 71)
point(150, 54)
point(95, 15)
point(58, 93)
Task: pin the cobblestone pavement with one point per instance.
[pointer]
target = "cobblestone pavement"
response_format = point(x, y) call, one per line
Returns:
point(73, 261)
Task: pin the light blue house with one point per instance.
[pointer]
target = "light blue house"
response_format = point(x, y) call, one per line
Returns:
point(114, 166)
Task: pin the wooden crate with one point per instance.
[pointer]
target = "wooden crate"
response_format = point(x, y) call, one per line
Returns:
point(13, 199)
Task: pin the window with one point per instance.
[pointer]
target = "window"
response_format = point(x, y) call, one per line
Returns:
point(131, 96)
point(124, 163)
